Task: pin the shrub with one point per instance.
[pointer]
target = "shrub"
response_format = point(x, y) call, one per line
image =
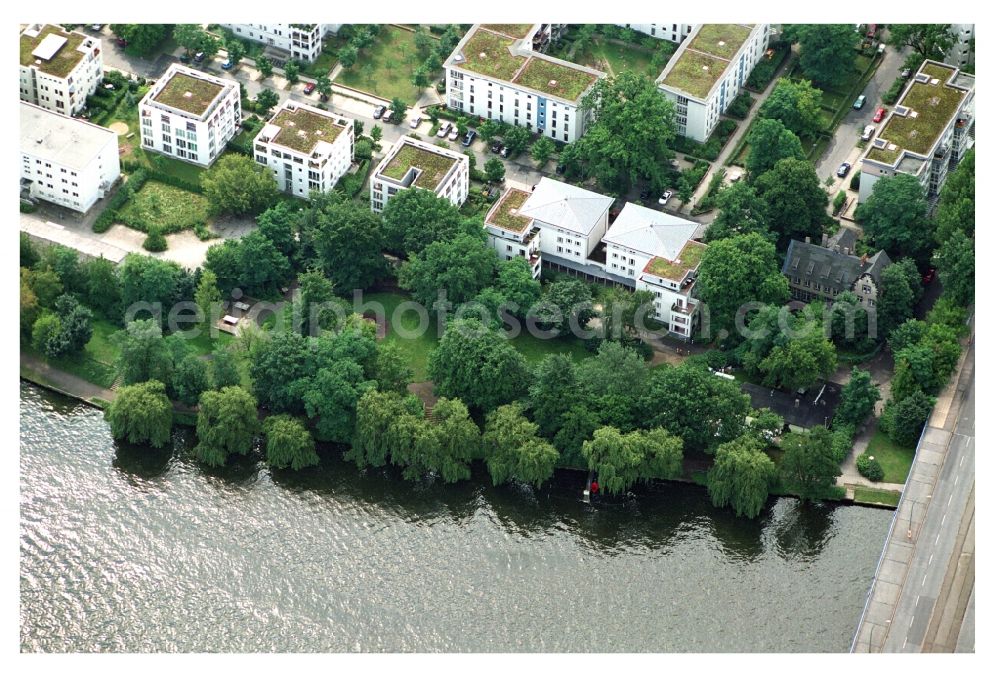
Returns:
point(155, 241)
point(892, 94)
point(856, 181)
point(838, 201)
point(104, 222)
point(740, 106)
point(870, 468)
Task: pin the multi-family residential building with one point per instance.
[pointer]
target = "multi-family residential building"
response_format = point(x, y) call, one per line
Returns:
point(302, 41)
point(412, 163)
point(513, 234)
point(66, 161)
point(305, 148)
point(656, 251)
point(498, 72)
point(674, 32)
point(190, 115)
point(926, 133)
point(571, 222)
point(707, 71)
point(59, 69)
point(824, 272)
point(963, 52)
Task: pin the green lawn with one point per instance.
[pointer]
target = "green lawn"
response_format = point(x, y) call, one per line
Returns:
point(386, 68)
point(876, 496)
point(895, 459)
point(417, 349)
point(164, 206)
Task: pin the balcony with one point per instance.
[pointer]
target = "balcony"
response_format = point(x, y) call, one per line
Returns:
point(685, 309)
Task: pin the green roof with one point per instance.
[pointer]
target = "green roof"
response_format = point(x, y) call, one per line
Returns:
point(688, 259)
point(302, 129)
point(695, 73)
point(720, 39)
point(514, 30)
point(935, 106)
point(488, 53)
point(190, 94)
point(555, 79)
point(433, 166)
point(505, 213)
point(65, 59)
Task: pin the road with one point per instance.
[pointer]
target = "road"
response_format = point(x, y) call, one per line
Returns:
point(843, 147)
point(923, 584)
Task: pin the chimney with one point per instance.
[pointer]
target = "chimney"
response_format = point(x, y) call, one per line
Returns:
point(864, 260)
point(826, 239)
point(808, 240)
point(796, 402)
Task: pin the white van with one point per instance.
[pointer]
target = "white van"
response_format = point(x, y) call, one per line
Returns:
point(869, 130)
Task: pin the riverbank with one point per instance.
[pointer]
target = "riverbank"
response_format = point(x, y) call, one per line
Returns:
point(40, 373)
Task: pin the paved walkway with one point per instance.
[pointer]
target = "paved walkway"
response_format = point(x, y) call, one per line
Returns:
point(39, 371)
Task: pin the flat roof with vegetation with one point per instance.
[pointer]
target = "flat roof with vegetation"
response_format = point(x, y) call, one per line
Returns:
point(302, 129)
point(488, 53)
point(514, 30)
point(191, 94)
point(64, 61)
point(433, 166)
point(505, 213)
point(554, 78)
point(704, 57)
point(935, 106)
point(688, 259)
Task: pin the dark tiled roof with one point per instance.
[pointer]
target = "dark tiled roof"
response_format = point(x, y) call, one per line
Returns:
point(814, 263)
point(844, 239)
point(807, 413)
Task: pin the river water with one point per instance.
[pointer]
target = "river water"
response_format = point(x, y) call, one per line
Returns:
point(133, 549)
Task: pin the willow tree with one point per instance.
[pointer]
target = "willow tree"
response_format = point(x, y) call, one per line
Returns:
point(740, 476)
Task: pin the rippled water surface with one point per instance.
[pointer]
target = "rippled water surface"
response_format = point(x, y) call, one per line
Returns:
point(132, 549)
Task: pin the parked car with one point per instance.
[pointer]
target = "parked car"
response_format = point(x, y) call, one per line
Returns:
point(664, 198)
point(415, 122)
point(228, 65)
point(859, 102)
point(843, 169)
point(906, 73)
point(444, 129)
point(185, 57)
point(879, 114)
point(387, 115)
point(867, 134)
point(469, 138)
point(96, 26)
point(495, 146)
point(199, 57)
point(929, 276)
point(645, 194)
point(379, 110)
point(309, 88)
point(504, 152)
point(453, 134)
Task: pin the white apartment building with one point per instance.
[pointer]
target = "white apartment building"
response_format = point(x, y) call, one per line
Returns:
point(412, 163)
point(497, 73)
point(964, 51)
point(512, 234)
point(190, 115)
point(571, 221)
point(675, 32)
point(302, 41)
point(926, 133)
point(656, 251)
point(66, 161)
point(305, 148)
point(707, 71)
point(59, 69)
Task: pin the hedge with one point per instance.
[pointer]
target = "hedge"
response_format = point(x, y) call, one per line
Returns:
point(740, 105)
point(870, 468)
point(764, 71)
point(351, 184)
point(135, 181)
point(839, 200)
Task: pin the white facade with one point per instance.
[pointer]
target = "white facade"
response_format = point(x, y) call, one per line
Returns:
point(303, 42)
point(306, 149)
point(412, 163)
point(656, 251)
point(674, 32)
point(522, 87)
point(190, 115)
point(963, 52)
point(707, 72)
point(934, 150)
point(59, 69)
point(65, 161)
point(512, 235)
point(571, 220)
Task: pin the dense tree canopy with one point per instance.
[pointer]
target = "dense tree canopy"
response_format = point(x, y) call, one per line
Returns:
point(857, 399)
point(414, 219)
point(809, 465)
point(461, 267)
point(252, 264)
point(142, 353)
point(513, 450)
point(740, 476)
point(331, 397)
point(895, 217)
point(348, 242)
point(143, 38)
point(957, 261)
point(929, 40)
point(736, 271)
point(289, 443)
point(478, 366)
point(898, 287)
point(627, 141)
point(554, 391)
point(227, 423)
point(956, 208)
point(620, 460)
point(739, 212)
point(796, 104)
point(145, 279)
point(826, 51)
point(904, 420)
point(237, 185)
point(786, 351)
point(141, 414)
point(770, 141)
point(566, 306)
point(796, 203)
